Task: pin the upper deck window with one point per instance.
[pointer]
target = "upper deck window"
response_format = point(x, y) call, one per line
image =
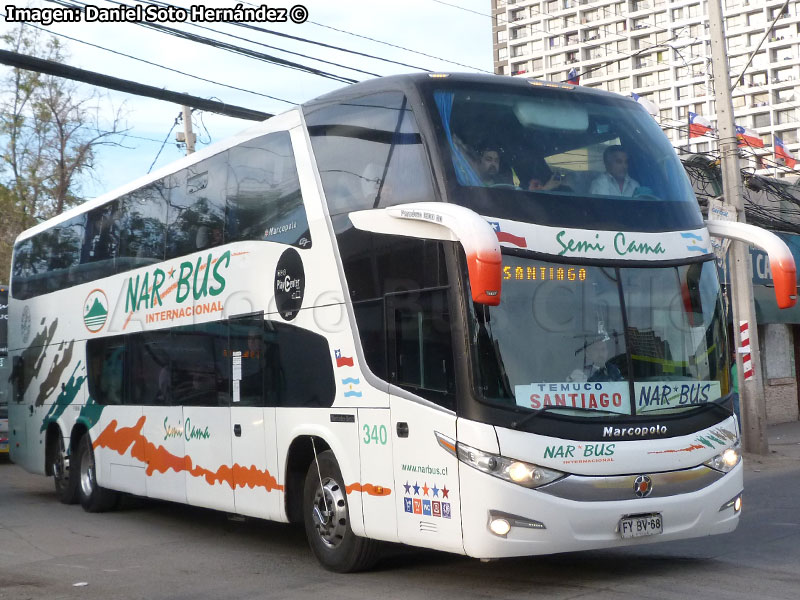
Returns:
point(369, 153)
point(563, 150)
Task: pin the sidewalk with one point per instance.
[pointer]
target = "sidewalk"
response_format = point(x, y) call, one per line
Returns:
point(784, 449)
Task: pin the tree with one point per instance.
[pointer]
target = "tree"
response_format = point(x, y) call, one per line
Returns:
point(50, 131)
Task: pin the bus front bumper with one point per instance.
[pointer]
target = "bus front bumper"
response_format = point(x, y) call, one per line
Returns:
point(545, 524)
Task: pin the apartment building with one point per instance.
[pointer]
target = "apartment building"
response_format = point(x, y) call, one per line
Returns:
point(660, 49)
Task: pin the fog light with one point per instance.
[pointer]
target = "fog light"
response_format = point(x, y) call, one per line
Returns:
point(500, 527)
point(737, 505)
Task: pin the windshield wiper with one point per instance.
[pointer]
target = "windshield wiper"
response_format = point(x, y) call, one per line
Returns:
point(549, 407)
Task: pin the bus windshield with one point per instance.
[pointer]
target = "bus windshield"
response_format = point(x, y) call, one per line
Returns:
point(558, 142)
point(617, 341)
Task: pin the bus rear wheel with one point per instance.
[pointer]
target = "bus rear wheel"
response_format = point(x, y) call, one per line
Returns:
point(93, 497)
point(327, 520)
point(66, 481)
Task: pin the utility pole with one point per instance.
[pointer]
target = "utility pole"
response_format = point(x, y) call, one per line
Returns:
point(751, 389)
point(188, 135)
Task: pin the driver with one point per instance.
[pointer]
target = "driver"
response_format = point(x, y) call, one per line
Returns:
point(596, 366)
point(615, 181)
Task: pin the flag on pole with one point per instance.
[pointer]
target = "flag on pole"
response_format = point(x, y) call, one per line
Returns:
point(698, 125)
point(748, 137)
point(649, 106)
point(782, 152)
point(574, 77)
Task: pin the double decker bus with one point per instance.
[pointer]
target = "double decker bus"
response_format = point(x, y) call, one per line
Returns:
point(414, 310)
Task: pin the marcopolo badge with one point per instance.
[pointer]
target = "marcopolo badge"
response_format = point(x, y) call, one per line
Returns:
point(289, 284)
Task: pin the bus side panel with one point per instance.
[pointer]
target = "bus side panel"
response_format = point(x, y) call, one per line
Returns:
point(342, 437)
point(207, 441)
point(165, 452)
point(255, 463)
point(378, 490)
point(425, 477)
point(119, 466)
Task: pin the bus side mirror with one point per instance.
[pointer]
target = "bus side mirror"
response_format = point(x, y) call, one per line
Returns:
point(781, 261)
point(441, 221)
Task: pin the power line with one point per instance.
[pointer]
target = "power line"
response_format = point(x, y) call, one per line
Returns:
point(49, 67)
point(233, 87)
point(358, 35)
point(164, 143)
point(224, 46)
point(247, 25)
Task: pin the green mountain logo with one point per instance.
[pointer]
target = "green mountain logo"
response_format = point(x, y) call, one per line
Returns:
point(95, 313)
point(97, 310)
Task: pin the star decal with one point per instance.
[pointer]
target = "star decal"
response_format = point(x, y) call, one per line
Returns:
point(171, 273)
point(425, 488)
point(416, 489)
point(408, 487)
point(435, 491)
point(445, 492)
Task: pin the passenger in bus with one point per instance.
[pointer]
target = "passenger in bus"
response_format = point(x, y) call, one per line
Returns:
point(208, 237)
point(596, 366)
point(615, 181)
point(490, 167)
point(544, 180)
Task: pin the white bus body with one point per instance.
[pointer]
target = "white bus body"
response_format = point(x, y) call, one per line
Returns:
point(243, 372)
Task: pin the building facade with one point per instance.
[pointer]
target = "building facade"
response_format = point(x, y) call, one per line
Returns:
point(660, 50)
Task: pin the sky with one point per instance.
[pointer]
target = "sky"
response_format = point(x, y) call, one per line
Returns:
point(458, 32)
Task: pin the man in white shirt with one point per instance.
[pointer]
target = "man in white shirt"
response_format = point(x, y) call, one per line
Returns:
point(615, 181)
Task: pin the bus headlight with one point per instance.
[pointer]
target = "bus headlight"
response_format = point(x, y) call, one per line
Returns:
point(726, 460)
point(515, 471)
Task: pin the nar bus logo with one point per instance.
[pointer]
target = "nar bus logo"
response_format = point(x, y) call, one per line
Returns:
point(95, 310)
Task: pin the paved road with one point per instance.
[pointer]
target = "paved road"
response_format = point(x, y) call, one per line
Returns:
point(155, 550)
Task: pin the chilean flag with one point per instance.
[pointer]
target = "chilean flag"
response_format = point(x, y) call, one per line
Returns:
point(504, 236)
point(782, 152)
point(698, 125)
point(748, 137)
point(343, 361)
point(573, 77)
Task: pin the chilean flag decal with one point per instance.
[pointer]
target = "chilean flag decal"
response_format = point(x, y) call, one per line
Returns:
point(343, 361)
point(504, 236)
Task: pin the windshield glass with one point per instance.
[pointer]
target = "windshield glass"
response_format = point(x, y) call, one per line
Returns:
point(558, 142)
point(627, 341)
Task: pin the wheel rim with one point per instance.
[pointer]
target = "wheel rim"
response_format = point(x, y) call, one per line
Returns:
point(87, 474)
point(329, 512)
point(59, 466)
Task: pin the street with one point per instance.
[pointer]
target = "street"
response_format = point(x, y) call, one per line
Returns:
point(159, 550)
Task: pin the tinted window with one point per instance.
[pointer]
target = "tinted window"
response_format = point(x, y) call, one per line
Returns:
point(264, 200)
point(106, 360)
point(420, 348)
point(271, 364)
point(402, 323)
point(369, 153)
point(142, 235)
point(196, 213)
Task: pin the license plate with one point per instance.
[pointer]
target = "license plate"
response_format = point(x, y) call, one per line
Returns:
point(641, 525)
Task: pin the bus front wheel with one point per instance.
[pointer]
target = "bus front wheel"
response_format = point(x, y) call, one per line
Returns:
point(93, 497)
point(327, 520)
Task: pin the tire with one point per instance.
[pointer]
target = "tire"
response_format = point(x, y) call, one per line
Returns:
point(93, 497)
point(329, 533)
point(64, 478)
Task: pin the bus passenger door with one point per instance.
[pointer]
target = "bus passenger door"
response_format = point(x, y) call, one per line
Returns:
point(420, 361)
point(253, 441)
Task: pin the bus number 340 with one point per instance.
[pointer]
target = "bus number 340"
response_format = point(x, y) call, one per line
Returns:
point(375, 434)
